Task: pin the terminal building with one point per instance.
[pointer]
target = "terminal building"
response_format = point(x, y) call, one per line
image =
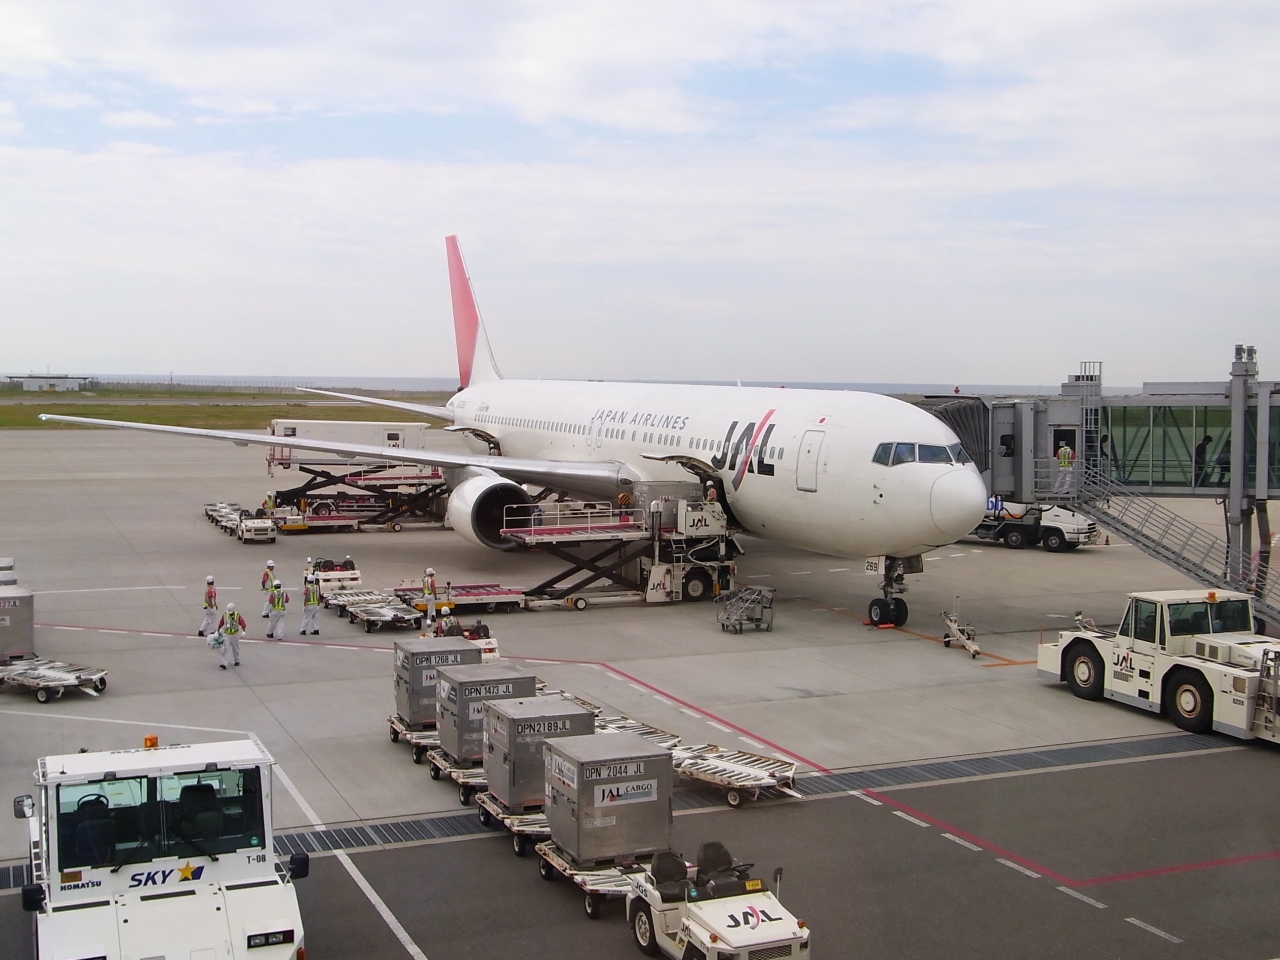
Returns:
point(53, 383)
point(1123, 453)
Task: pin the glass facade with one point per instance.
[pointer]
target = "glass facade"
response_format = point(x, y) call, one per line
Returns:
point(1165, 446)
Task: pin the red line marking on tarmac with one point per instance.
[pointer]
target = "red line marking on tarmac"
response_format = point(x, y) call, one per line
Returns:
point(1178, 868)
point(1067, 881)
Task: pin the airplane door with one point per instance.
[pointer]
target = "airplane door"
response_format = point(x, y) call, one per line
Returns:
point(807, 466)
point(599, 434)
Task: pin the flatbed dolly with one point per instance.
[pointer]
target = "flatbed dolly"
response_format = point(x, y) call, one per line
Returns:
point(743, 776)
point(599, 883)
point(51, 678)
point(523, 827)
point(470, 780)
point(485, 597)
point(339, 600)
point(386, 613)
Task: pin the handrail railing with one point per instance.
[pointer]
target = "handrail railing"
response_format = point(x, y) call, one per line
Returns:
point(1158, 531)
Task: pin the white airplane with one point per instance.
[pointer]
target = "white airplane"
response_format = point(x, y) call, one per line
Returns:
point(842, 473)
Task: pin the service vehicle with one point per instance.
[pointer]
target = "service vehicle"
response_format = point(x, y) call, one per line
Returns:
point(1192, 654)
point(250, 528)
point(159, 851)
point(1019, 525)
point(711, 909)
point(336, 574)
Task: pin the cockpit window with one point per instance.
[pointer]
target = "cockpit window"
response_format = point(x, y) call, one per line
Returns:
point(884, 454)
point(957, 451)
point(929, 453)
point(904, 453)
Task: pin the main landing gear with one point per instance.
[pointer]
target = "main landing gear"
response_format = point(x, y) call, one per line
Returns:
point(891, 609)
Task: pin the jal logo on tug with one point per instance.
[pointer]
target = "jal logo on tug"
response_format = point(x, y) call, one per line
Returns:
point(751, 918)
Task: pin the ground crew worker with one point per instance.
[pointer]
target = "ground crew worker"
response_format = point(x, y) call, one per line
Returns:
point(310, 605)
point(230, 628)
point(429, 593)
point(277, 600)
point(309, 569)
point(270, 502)
point(1066, 469)
point(210, 607)
point(448, 625)
point(268, 578)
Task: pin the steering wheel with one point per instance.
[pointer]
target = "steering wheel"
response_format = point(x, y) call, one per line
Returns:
point(742, 869)
point(92, 796)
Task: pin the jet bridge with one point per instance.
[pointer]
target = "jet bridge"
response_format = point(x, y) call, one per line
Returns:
point(1216, 440)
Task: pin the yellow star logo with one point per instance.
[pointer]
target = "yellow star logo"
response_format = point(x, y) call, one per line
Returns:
point(185, 873)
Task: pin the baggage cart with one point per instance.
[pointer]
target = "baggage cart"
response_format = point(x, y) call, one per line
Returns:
point(470, 779)
point(51, 678)
point(743, 605)
point(598, 884)
point(525, 828)
point(485, 597)
point(338, 600)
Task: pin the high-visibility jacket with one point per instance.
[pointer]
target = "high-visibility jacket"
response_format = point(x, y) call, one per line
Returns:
point(268, 578)
point(210, 599)
point(1066, 456)
point(278, 599)
point(232, 626)
point(311, 595)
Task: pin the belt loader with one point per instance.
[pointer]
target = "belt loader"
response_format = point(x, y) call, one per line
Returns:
point(1194, 655)
point(161, 851)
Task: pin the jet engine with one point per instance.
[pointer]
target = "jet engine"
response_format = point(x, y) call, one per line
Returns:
point(477, 509)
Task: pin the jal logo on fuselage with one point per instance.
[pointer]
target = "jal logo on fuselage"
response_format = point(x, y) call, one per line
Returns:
point(737, 454)
point(750, 918)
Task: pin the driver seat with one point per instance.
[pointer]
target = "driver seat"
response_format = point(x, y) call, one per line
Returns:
point(669, 873)
point(95, 836)
point(715, 863)
point(199, 813)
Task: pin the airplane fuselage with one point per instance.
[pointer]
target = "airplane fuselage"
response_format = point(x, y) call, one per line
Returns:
point(797, 466)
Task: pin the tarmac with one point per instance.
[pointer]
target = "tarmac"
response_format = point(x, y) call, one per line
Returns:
point(1119, 836)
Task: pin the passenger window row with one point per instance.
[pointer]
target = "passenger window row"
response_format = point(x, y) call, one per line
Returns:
point(892, 454)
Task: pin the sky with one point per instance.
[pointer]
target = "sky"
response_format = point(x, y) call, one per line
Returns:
point(914, 191)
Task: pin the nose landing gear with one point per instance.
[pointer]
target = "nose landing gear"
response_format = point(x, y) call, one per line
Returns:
point(891, 609)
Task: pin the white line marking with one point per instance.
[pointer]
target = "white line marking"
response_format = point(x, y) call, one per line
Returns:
point(955, 554)
point(1017, 866)
point(838, 570)
point(661, 699)
point(104, 590)
point(378, 904)
point(784, 757)
point(247, 640)
point(292, 643)
point(964, 843)
point(801, 573)
point(862, 796)
point(104, 630)
point(933, 558)
point(636, 686)
point(975, 551)
point(131, 723)
point(593, 666)
point(533, 660)
point(842, 609)
point(1150, 929)
point(752, 743)
point(720, 726)
point(1080, 896)
point(757, 576)
point(909, 818)
point(157, 634)
point(384, 911)
point(692, 713)
point(68, 628)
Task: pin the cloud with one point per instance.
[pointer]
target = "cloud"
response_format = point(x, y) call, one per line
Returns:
point(135, 119)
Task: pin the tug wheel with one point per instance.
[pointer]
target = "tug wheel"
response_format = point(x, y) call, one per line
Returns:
point(642, 930)
point(1084, 671)
point(1191, 702)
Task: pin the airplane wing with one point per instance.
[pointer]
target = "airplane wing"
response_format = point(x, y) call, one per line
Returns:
point(440, 413)
point(594, 478)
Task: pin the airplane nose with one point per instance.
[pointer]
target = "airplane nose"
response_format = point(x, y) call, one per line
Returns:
point(957, 502)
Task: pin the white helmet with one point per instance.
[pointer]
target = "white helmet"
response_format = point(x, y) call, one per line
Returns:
point(429, 572)
point(277, 584)
point(309, 560)
point(231, 608)
point(271, 563)
point(208, 579)
point(310, 578)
